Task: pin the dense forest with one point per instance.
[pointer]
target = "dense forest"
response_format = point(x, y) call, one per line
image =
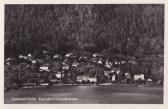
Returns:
point(133, 33)
point(130, 30)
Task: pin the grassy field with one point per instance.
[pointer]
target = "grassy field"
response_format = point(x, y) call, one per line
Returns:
point(86, 95)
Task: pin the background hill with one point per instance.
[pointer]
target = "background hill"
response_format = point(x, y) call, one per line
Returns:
point(130, 30)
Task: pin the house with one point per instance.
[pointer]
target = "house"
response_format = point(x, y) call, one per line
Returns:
point(44, 68)
point(95, 55)
point(123, 62)
point(45, 52)
point(117, 63)
point(117, 71)
point(139, 77)
point(33, 62)
point(127, 75)
point(75, 64)
point(83, 58)
point(10, 61)
point(29, 56)
point(127, 78)
point(92, 80)
point(81, 79)
point(107, 73)
point(25, 57)
point(21, 56)
point(66, 67)
point(149, 81)
point(68, 55)
point(108, 64)
point(113, 78)
point(58, 75)
point(100, 61)
point(57, 56)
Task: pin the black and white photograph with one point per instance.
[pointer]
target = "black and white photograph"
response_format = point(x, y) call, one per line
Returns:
point(84, 53)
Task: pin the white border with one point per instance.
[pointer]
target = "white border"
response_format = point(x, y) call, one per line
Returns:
point(82, 1)
point(81, 106)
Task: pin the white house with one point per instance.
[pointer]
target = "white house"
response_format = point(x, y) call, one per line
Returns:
point(139, 76)
point(86, 78)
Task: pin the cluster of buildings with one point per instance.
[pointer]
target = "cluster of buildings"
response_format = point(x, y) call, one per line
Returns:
point(60, 67)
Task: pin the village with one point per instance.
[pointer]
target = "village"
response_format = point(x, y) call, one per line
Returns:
point(72, 69)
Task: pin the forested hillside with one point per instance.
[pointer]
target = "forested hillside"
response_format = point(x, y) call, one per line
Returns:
point(130, 30)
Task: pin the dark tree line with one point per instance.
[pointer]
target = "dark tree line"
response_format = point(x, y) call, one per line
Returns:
point(130, 30)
